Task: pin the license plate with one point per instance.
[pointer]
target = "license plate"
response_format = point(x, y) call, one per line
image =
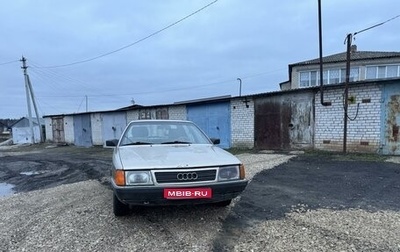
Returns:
point(187, 193)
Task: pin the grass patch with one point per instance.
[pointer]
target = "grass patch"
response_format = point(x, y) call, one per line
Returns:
point(346, 157)
point(237, 151)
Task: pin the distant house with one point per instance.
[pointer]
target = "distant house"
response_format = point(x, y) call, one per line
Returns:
point(365, 66)
point(3, 127)
point(21, 132)
point(373, 93)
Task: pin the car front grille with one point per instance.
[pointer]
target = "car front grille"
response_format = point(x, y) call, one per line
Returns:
point(186, 176)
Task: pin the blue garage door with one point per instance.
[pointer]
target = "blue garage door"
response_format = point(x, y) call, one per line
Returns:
point(82, 130)
point(113, 124)
point(214, 119)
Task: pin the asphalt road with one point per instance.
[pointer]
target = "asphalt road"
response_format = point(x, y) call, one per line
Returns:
point(312, 182)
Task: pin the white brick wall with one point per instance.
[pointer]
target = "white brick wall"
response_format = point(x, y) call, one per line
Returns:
point(177, 112)
point(132, 115)
point(242, 123)
point(363, 133)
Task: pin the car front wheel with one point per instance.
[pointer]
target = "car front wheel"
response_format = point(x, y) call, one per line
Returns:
point(120, 209)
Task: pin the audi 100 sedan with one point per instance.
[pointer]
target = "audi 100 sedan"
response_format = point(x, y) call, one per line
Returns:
point(171, 162)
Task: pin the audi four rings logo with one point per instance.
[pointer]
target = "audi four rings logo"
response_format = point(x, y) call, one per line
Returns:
point(187, 176)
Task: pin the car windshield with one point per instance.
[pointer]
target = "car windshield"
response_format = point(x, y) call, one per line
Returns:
point(163, 132)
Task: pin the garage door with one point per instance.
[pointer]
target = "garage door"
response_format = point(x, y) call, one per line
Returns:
point(82, 130)
point(113, 124)
point(214, 119)
point(391, 120)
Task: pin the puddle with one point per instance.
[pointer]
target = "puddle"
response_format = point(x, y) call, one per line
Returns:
point(6, 189)
point(30, 173)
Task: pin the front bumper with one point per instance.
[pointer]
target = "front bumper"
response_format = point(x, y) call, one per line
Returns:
point(152, 195)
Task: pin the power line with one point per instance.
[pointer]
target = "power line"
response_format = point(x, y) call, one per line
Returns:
point(9, 62)
point(39, 73)
point(136, 42)
point(376, 25)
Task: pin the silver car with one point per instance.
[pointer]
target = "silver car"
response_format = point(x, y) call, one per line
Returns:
point(171, 162)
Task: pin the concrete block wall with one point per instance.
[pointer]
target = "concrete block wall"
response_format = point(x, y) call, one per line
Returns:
point(177, 113)
point(132, 115)
point(363, 127)
point(242, 123)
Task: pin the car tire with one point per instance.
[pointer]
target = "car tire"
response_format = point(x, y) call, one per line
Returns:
point(223, 203)
point(120, 209)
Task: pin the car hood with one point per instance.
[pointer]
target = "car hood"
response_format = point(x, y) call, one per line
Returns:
point(171, 156)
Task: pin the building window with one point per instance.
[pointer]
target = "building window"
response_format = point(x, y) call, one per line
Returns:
point(354, 74)
point(392, 71)
point(313, 79)
point(378, 72)
point(330, 76)
point(308, 79)
point(334, 76)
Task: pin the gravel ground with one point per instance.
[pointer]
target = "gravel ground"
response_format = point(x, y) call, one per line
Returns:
point(78, 217)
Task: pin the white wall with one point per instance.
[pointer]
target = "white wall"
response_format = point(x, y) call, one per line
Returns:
point(22, 135)
point(177, 113)
point(69, 129)
point(132, 115)
point(242, 123)
point(363, 133)
point(48, 129)
point(97, 133)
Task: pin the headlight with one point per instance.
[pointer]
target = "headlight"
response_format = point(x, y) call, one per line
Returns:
point(228, 173)
point(138, 178)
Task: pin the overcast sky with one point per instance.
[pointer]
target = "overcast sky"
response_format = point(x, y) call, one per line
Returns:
point(201, 56)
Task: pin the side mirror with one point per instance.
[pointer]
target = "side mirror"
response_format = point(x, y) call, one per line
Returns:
point(112, 143)
point(215, 140)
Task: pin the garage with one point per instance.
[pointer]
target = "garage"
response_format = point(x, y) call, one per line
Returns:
point(82, 130)
point(284, 121)
point(113, 125)
point(214, 119)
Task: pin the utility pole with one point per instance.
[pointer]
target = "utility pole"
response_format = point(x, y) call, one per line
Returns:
point(321, 69)
point(29, 96)
point(346, 91)
point(28, 100)
point(86, 98)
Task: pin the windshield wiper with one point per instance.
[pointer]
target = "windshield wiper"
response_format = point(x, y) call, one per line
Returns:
point(176, 142)
point(138, 143)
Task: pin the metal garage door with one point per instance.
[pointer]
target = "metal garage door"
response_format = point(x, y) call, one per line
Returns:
point(391, 120)
point(272, 117)
point(82, 130)
point(214, 119)
point(284, 122)
point(113, 124)
point(58, 129)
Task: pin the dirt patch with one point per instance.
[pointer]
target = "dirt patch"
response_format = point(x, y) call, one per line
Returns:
point(34, 167)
